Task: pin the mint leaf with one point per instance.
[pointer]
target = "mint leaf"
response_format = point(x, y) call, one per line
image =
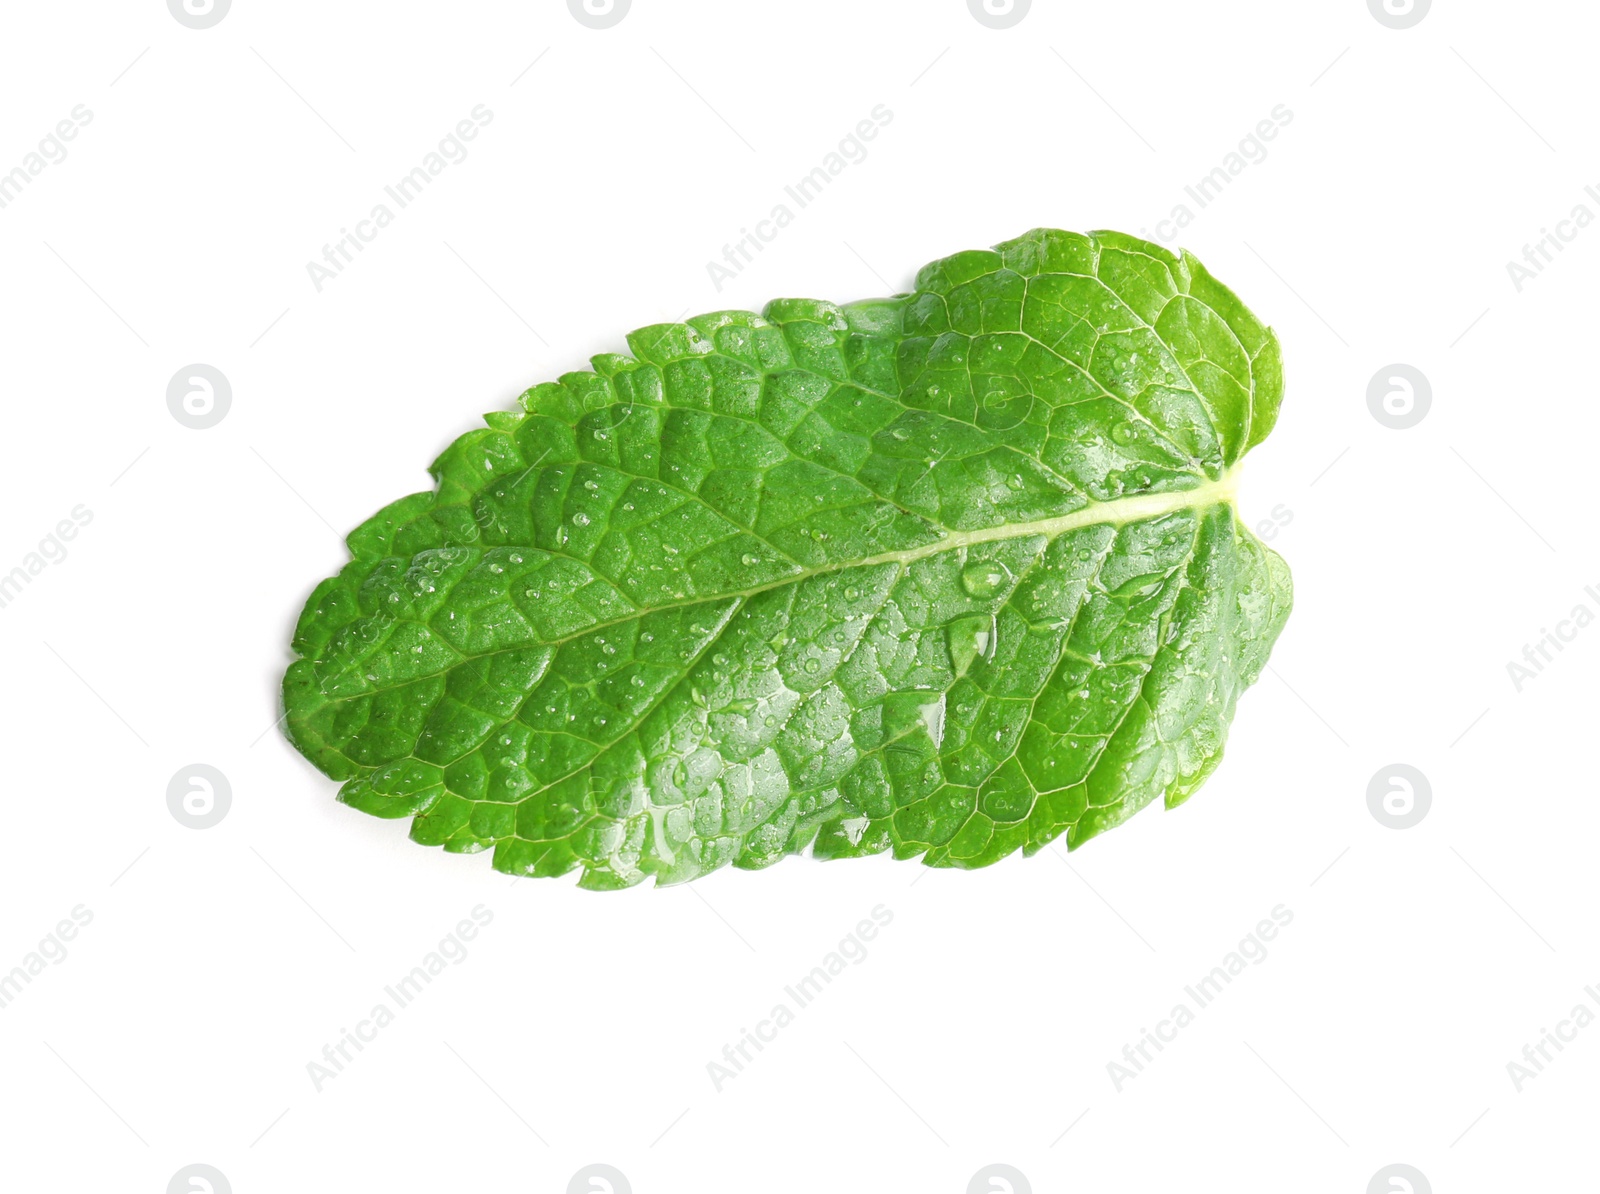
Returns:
point(948, 574)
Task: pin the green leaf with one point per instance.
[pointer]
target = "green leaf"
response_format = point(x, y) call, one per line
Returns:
point(948, 574)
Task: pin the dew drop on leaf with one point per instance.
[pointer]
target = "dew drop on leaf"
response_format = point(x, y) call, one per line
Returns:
point(970, 638)
point(984, 578)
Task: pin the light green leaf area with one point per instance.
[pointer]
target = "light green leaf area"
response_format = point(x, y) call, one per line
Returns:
point(949, 575)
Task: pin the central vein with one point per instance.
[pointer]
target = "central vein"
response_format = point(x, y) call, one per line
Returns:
point(1115, 513)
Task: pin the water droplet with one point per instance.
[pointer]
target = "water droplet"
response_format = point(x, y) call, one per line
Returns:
point(580, 519)
point(970, 638)
point(813, 665)
point(1124, 433)
point(984, 578)
point(747, 559)
point(932, 715)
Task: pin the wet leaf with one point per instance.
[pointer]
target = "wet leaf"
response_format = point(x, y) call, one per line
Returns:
point(947, 574)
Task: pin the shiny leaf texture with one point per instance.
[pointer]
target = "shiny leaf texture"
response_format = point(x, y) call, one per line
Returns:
point(947, 574)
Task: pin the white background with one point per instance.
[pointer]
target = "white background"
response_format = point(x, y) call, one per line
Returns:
point(978, 1029)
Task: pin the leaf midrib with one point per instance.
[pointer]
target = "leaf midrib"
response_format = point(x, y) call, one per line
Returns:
point(1117, 512)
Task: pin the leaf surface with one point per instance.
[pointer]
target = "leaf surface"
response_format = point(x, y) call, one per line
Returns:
point(947, 574)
